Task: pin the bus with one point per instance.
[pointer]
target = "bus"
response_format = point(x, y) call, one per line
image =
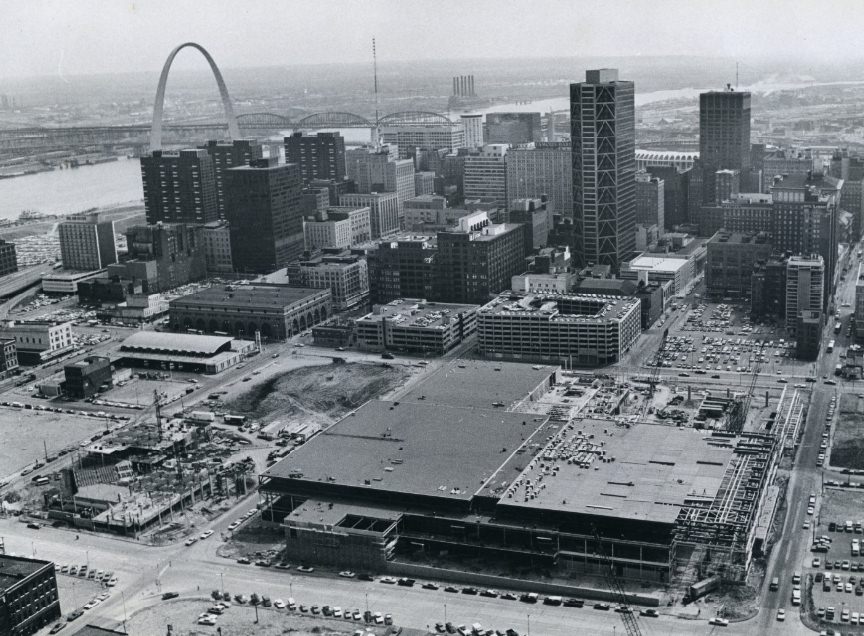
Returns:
point(830, 346)
point(236, 420)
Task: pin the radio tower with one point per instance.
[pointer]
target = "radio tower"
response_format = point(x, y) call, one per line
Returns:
point(375, 131)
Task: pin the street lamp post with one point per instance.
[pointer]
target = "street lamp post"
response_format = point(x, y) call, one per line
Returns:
point(529, 624)
point(123, 595)
point(222, 583)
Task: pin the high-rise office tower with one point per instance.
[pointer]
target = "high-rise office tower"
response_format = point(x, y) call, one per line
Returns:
point(86, 243)
point(239, 152)
point(804, 288)
point(542, 168)
point(379, 172)
point(676, 183)
point(179, 187)
point(650, 200)
point(473, 126)
point(320, 156)
point(724, 136)
point(263, 208)
point(486, 174)
point(603, 138)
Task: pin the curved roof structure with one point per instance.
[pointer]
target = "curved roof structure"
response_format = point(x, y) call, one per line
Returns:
point(177, 343)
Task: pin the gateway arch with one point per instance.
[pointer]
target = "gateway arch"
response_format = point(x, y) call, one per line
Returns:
point(156, 129)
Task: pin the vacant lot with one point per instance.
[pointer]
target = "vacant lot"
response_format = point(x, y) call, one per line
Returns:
point(319, 394)
point(239, 620)
point(847, 451)
point(22, 433)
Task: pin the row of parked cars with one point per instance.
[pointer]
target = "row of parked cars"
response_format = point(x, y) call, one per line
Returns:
point(85, 572)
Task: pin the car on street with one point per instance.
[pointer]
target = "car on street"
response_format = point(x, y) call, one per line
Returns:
point(169, 595)
point(74, 615)
point(191, 541)
point(243, 561)
point(279, 603)
point(649, 612)
point(429, 586)
point(58, 627)
point(781, 614)
point(347, 574)
point(719, 622)
point(388, 580)
point(205, 534)
point(305, 568)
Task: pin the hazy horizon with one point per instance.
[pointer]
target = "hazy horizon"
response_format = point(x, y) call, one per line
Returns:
point(97, 37)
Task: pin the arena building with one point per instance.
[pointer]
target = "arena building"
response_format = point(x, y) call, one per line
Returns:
point(498, 483)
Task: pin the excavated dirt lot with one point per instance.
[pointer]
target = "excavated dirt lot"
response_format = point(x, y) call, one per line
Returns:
point(319, 394)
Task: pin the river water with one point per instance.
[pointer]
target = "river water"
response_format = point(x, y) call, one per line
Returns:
point(77, 189)
point(72, 190)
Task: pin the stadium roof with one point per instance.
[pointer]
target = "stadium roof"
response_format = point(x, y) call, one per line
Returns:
point(411, 448)
point(175, 343)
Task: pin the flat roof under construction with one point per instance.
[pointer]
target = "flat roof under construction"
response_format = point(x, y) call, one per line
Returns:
point(480, 384)
point(411, 448)
point(643, 473)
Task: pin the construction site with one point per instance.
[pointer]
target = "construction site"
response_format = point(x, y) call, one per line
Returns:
point(668, 485)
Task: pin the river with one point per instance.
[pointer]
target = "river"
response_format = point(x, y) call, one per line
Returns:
point(77, 189)
point(73, 189)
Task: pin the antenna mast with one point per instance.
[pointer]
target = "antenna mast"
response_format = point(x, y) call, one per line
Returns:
point(375, 68)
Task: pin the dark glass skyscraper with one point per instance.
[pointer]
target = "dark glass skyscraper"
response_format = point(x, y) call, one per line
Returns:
point(239, 152)
point(603, 136)
point(724, 136)
point(179, 187)
point(321, 156)
point(263, 208)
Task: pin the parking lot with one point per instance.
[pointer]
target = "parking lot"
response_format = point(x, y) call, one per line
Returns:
point(837, 570)
point(722, 338)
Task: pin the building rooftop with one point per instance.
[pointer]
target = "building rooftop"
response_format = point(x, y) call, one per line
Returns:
point(658, 264)
point(642, 473)
point(411, 312)
point(257, 296)
point(175, 343)
point(593, 285)
point(480, 384)
point(14, 568)
point(595, 307)
point(740, 238)
point(387, 446)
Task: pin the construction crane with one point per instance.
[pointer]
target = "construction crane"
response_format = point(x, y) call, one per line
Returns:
point(607, 567)
point(652, 379)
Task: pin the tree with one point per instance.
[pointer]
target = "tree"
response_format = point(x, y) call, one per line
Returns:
point(216, 594)
point(253, 599)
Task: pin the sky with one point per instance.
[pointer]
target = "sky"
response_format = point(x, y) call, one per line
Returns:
point(69, 37)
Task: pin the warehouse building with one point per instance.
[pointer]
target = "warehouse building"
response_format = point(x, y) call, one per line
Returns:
point(84, 377)
point(575, 330)
point(416, 326)
point(275, 311)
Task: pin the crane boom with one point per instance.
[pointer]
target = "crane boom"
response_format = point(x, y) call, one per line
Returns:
point(608, 570)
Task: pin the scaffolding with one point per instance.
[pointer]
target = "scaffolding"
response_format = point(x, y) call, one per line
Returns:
point(719, 529)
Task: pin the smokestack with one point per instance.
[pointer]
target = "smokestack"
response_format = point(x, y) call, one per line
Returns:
point(462, 85)
point(472, 86)
point(454, 87)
